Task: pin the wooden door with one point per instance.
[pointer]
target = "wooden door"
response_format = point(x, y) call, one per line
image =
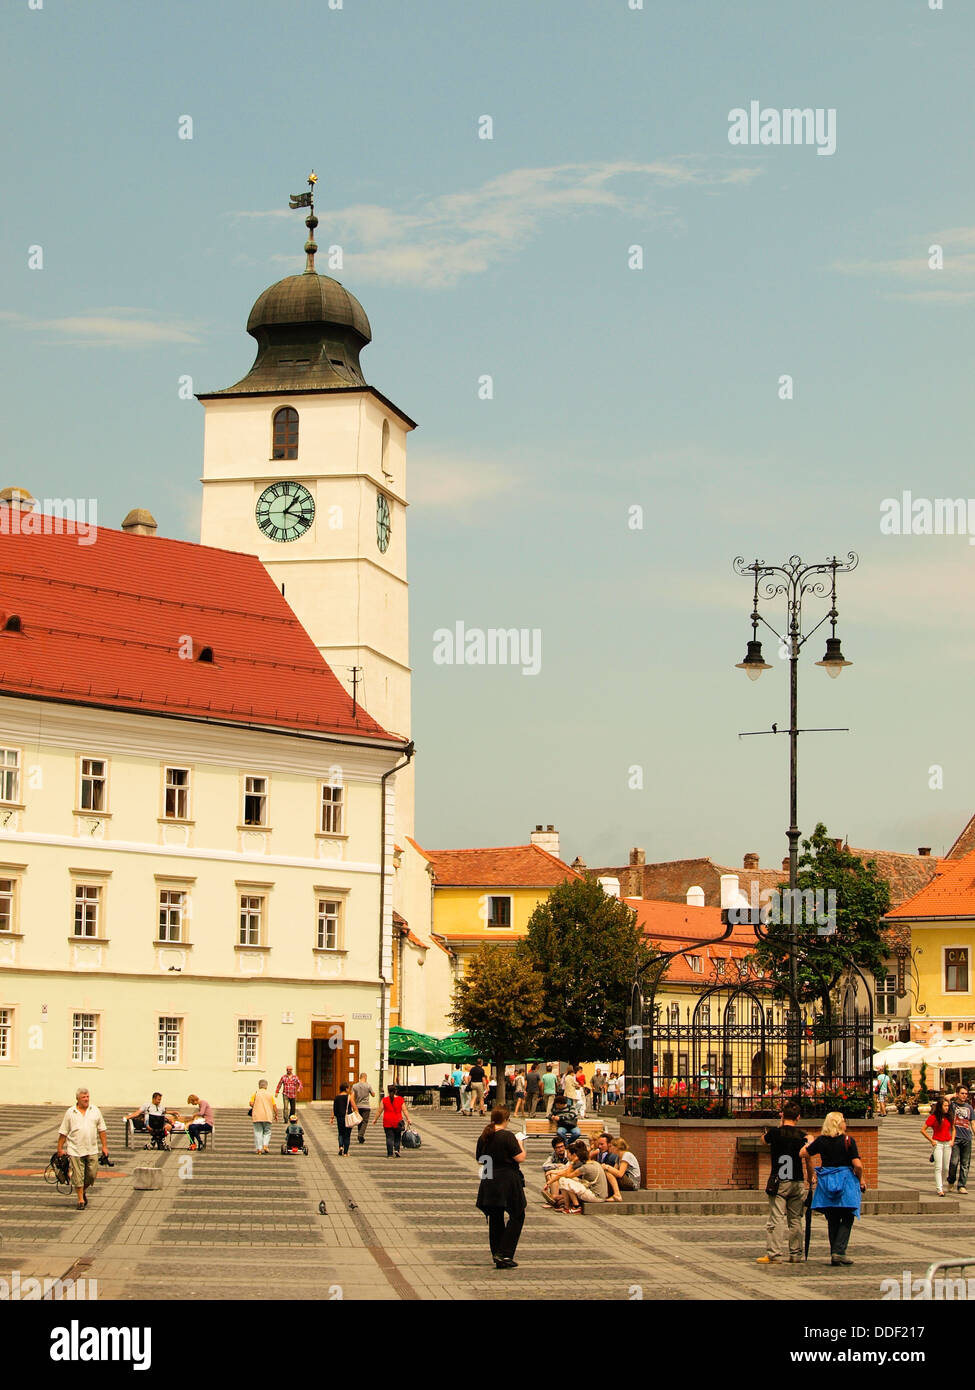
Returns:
point(328, 1044)
point(305, 1068)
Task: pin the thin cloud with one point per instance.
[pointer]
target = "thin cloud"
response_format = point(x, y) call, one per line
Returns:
point(107, 328)
point(456, 483)
point(950, 285)
point(440, 240)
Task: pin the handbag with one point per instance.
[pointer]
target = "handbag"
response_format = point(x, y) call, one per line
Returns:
point(352, 1116)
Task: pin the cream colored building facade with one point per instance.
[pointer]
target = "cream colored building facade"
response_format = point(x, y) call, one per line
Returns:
point(162, 944)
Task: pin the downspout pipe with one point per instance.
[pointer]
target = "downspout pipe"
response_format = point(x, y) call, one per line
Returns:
point(408, 752)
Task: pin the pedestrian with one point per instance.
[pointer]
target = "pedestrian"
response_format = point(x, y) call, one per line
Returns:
point(465, 1092)
point(549, 1083)
point(786, 1188)
point(961, 1113)
point(883, 1087)
point(533, 1082)
point(363, 1095)
point(570, 1087)
point(341, 1106)
point(457, 1081)
point(478, 1077)
point(581, 1092)
point(939, 1131)
point(501, 1190)
point(836, 1181)
point(596, 1091)
point(82, 1131)
point(263, 1113)
point(290, 1088)
point(200, 1124)
point(520, 1092)
point(395, 1117)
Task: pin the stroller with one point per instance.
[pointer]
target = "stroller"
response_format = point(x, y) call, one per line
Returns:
point(157, 1132)
point(294, 1138)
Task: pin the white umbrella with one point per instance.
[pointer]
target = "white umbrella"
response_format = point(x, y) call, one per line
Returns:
point(957, 1052)
point(898, 1055)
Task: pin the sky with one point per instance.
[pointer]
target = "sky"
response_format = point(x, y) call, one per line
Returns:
point(637, 288)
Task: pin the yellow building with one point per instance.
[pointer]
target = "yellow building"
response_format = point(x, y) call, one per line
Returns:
point(484, 895)
point(941, 919)
point(193, 825)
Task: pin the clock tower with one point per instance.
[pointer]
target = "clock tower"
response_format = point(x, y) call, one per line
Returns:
point(304, 465)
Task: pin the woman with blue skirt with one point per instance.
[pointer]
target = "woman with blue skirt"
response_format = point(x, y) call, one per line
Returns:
point(837, 1182)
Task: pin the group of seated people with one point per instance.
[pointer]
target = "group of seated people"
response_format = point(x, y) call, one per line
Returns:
point(584, 1171)
point(159, 1122)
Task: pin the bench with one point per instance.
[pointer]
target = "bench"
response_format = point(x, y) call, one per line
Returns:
point(139, 1138)
point(535, 1125)
point(754, 1144)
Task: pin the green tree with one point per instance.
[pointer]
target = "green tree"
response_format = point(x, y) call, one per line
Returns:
point(853, 895)
point(501, 1003)
point(586, 948)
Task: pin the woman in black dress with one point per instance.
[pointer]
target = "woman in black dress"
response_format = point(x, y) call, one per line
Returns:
point(340, 1116)
point(502, 1187)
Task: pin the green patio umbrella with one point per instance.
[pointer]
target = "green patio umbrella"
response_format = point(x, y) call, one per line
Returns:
point(408, 1048)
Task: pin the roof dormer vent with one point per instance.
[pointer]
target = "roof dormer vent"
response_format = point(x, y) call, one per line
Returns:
point(12, 623)
point(205, 654)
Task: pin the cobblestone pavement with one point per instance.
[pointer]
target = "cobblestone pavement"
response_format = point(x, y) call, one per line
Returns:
point(228, 1223)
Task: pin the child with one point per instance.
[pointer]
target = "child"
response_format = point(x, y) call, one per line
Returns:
point(294, 1135)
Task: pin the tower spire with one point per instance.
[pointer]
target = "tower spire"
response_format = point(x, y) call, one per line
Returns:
point(307, 200)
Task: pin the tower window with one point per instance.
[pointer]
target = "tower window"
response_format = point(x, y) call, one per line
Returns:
point(285, 444)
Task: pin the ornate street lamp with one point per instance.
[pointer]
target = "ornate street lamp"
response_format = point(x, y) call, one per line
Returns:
point(795, 582)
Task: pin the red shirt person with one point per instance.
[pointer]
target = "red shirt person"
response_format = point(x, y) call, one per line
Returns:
point(395, 1116)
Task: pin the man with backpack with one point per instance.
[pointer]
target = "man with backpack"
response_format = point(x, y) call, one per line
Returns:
point(786, 1189)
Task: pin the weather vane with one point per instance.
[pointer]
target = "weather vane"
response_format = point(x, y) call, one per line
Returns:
point(307, 200)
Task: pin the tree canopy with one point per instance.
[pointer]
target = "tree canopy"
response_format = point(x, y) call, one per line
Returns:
point(585, 947)
point(853, 895)
point(501, 1003)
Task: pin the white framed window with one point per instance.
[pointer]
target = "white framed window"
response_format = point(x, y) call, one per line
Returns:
point(329, 936)
point(499, 912)
point(255, 801)
point(169, 1039)
point(333, 810)
point(248, 1042)
point(695, 963)
point(956, 969)
point(10, 776)
point(84, 1038)
point(94, 784)
point(87, 909)
point(176, 793)
point(173, 903)
point(253, 913)
point(885, 995)
point(8, 889)
point(6, 1035)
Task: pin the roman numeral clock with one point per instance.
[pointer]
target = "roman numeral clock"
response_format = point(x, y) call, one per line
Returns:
point(284, 511)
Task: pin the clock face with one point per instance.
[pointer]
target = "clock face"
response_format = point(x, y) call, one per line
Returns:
point(382, 522)
point(285, 511)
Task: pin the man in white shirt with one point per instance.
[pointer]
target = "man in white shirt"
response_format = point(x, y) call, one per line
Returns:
point(81, 1130)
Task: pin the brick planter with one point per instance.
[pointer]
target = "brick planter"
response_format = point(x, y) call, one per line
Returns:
point(682, 1154)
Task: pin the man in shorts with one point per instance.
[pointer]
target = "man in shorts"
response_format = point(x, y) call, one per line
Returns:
point(79, 1135)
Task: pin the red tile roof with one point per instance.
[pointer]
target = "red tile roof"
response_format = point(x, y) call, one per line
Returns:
point(672, 925)
point(950, 894)
point(104, 624)
point(512, 866)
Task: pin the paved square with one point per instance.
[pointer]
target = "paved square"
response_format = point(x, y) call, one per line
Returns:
point(231, 1224)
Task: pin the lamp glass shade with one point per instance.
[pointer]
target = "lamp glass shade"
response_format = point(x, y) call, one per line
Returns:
point(754, 663)
point(834, 661)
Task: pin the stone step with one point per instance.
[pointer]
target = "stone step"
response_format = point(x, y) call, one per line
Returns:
point(703, 1204)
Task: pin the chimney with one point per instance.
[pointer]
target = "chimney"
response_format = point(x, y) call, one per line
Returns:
point(750, 861)
point(638, 856)
point(546, 837)
point(17, 499)
point(139, 522)
point(925, 853)
point(579, 864)
point(731, 894)
point(695, 896)
point(610, 886)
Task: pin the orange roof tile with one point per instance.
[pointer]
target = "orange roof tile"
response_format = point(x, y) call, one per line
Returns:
point(106, 624)
point(512, 866)
point(950, 894)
